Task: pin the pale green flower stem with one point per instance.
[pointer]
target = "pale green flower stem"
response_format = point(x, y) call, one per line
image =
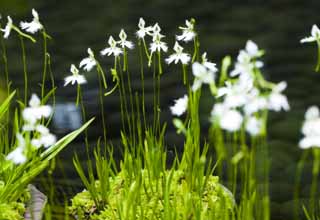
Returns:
point(102, 74)
point(123, 98)
point(142, 83)
point(184, 72)
point(20, 33)
point(314, 186)
point(8, 85)
point(196, 45)
point(297, 205)
point(101, 95)
point(25, 74)
point(318, 62)
point(45, 62)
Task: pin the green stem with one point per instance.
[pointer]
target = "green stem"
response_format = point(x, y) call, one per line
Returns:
point(102, 74)
point(102, 112)
point(44, 64)
point(315, 174)
point(318, 63)
point(21, 34)
point(142, 85)
point(25, 74)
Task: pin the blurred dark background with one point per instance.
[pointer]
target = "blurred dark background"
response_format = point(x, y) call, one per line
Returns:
point(224, 27)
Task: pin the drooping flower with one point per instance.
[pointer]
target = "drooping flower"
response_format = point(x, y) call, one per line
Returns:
point(89, 62)
point(277, 100)
point(123, 40)
point(184, 58)
point(311, 129)
point(7, 28)
point(112, 49)
point(75, 77)
point(143, 31)
point(180, 106)
point(315, 35)
point(35, 111)
point(188, 32)
point(202, 75)
point(33, 26)
point(253, 126)
point(17, 156)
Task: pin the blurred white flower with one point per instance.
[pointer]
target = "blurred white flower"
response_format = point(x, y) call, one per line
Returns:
point(180, 106)
point(34, 25)
point(188, 33)
point(231, 120)
point(311, 129)
point(211, 66)
point(141, 33)
point(89, 62)
point(123, 40)
point(202, 75)
point(255, 102)
point(36, 111)
point(112, 50)
point(184, 58)
point(158, 45)
point(45, 139)
point(75, 77)
point(17, 155)
point(7, 28)
point(315, 35)
point(237, 94)
point(253, 126)
point(253, 50)
point(276, 100)
point(244, 64)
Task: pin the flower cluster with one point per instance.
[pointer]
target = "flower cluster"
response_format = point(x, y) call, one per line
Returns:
point(243, 99)
point(34, 135)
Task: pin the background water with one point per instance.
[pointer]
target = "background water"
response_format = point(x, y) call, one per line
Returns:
point(224, 27)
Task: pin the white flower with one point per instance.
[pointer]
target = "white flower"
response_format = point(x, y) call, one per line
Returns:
point(211, 66)
point(244, 64)
point(158, 45)
point(46, 139)
point(315, 35)
point(276, 100)
point(184, 58)
point(75, 77)
point(123, 40)
point(231, 120)
point(312, 113)
point(236, 95)
point(202, 75)
point(7, 28)
point(311, 129)
point(253, 126)
point(17, 155)
point(36, 111)
point(141, 33)
point(252, 49)
point(255, 102)
point(34, 25)
point(112, 50)
point(180, 106)
point(89, 62)
point(188, 33)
